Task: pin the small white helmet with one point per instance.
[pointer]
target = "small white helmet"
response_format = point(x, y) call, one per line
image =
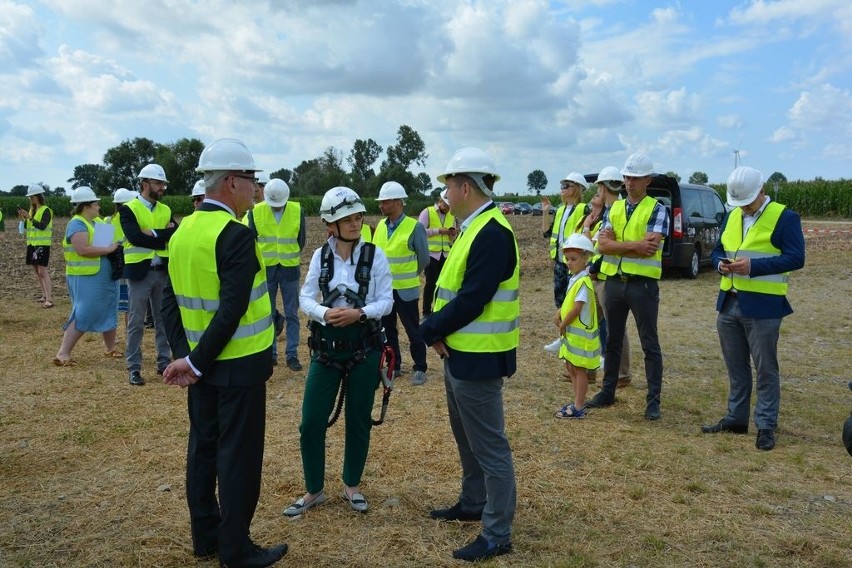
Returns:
point(153, 171)
point(391, 190)
point(577, 178)
point(35, 189)
point(578, 241)
point(198, 190)
point(123, 195)
point(638, 165)
point(340, 202)
point(744, 185)
point(262, 178)
point(225, 155)
point(612, 179)
point(276, 192)
point(473, 162)
point(83, 194)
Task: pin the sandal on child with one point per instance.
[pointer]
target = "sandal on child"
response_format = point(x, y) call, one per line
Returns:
point(64, 362)
point(570, 411)
point(114, 354)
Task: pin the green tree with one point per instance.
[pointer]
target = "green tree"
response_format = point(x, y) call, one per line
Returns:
point(674, 175)
point(537, 181)
point(179, 160)
point(288, 176)
point(92, 175)
point(424, 183)
point(361, 158)
point(18, 190)
point(699, 178)
point(777, 177)
point(123, 162)
point(409, 149)
point(315, 177)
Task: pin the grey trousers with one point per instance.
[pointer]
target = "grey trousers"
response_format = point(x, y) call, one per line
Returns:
point(140, 292)
point(488, 475)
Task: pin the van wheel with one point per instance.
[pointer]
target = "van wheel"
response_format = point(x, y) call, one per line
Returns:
point(691, 270)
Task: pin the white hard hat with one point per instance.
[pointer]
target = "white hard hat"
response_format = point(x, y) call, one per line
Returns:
point(153, 171)
point(198, 190)
point(123, 195)
point(744, 185)
point(578, 241)
point(444, 196)
point(471, 161)
point(340, 202)
point(638, 165)
point(276, 192)
point(391, 190)
point(226, 155)
point(610, 173)
point(35, 189)
point(83, 194)
point(576, 178)
point(262, 178)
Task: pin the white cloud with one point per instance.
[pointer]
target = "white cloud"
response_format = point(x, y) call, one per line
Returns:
point(730, 121)
point(782, 134)
point(824, 108)
point(19, 36)
point(670, 108)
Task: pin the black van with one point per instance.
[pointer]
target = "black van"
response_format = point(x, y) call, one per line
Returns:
point(696, 213)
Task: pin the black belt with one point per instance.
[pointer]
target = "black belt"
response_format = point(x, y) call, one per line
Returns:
point(631, 278)
point(325, 345)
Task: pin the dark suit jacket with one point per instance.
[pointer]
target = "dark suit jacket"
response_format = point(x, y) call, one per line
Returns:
point(491, 261)
point(236, 263)
point(788, 238)
point(134, 235)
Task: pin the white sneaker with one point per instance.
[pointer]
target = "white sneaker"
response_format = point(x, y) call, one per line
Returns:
point(418, 378)
point(553, 347)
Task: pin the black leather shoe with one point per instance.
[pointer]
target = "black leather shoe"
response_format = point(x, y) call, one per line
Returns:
point(136, 379)
point(481, 549)
point(258, 558)
point(765, 440)
point(293, 364)
point(723, 426)
point(455, 513)
point(205, 554)
point(652, 411)
point(600, 400)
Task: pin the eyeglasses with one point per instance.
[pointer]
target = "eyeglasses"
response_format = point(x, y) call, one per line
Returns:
point(197, 198)
point(565, 186)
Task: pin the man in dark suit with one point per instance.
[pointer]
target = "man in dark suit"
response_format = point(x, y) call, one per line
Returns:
point(761, 244)
point(219, 324)
point(474, 328)
point(148, 225)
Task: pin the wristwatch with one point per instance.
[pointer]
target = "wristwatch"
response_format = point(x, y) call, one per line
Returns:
point(363, 317)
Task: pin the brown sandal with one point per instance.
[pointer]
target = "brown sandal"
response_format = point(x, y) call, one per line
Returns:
point(66, 363)
point(114, 354)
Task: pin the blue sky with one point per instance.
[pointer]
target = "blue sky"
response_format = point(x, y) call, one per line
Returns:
point(556, 86)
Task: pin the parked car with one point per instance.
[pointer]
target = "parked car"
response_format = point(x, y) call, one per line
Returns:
point(696, 213)
point(507, 208)
point(522, 208)
point(536, 210)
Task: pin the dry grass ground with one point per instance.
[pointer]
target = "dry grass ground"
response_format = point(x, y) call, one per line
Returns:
point(92, 469)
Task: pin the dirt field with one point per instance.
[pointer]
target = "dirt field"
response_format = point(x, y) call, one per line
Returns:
point(92, 469)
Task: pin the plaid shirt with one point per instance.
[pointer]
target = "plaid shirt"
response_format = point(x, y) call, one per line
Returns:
point(657, 223)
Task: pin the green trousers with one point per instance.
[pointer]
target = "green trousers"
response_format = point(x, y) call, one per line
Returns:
point(321, 388)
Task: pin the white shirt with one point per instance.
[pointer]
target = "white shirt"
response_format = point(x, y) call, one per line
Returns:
point(749, 220)
point(379, 292)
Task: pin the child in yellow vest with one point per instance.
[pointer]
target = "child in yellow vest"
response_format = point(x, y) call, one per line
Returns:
point(577, 320)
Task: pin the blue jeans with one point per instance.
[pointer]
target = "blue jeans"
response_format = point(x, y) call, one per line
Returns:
point(744, 340)
point(290, 298)
point(560, 282)
point(488, 475)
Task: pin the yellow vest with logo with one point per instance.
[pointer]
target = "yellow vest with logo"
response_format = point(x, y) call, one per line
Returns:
point(278, 242)
point(402, 260)
point(39, 237)
point(757, 244)
point(440, 243)
point(581, 344)
point(574, 217)
point(497, 328)
point(77, 264)
point(634, 229)
point(147, 219)
point(196, 284)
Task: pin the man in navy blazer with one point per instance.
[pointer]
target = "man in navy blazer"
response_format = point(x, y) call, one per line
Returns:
point(761, 244)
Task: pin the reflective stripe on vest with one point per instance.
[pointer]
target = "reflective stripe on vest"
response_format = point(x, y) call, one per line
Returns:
point(574, 216)
point(39, 237)
point(278, 242)
point(196, 284)
point(440, 243)
point(147, 219)
point(757, 244)
point(633, 229)
point(497, 328)
point(402, 260)
point(77, 264)
point(581, 344)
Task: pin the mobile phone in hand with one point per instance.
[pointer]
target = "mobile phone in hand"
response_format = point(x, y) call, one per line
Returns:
point(727, 260)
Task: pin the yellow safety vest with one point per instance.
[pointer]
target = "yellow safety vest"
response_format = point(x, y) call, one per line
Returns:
point(574, 217)
point(366, 233)
point(633, 230)
point(279, 242)
point(497, 328)
point(196, 284)
point(440, 243)
point(77, 264)
point(757, 244)
point(115, 221)
point(39, 237)
point(581, 344)
point(147, 219)
point(402, 260)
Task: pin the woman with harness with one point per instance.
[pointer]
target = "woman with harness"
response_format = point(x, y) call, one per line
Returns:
point(346, 292)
